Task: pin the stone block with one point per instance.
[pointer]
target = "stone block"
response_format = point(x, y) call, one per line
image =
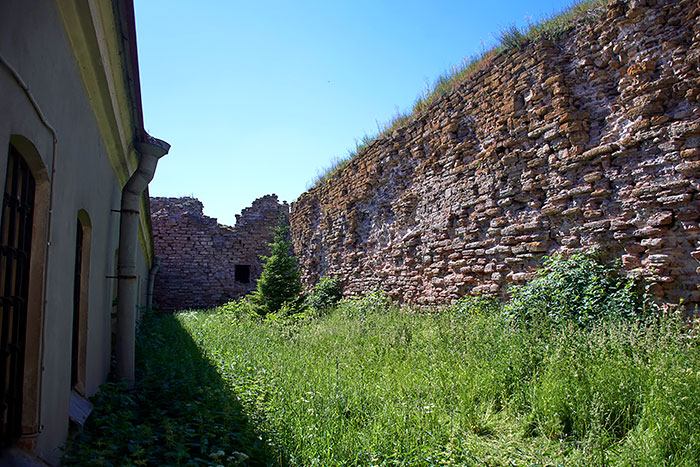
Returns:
point(622, 178)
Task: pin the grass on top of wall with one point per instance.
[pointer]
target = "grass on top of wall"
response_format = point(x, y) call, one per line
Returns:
point(511, 38)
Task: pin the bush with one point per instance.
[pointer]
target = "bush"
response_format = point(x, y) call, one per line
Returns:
point(325, 294)
point(583, 288)
point(181, 412)
point(377, 302)
point(478, 305)
point(240, 308)
point(279, 281)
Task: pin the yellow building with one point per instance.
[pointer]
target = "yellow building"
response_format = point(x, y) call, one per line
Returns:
point(75, 233)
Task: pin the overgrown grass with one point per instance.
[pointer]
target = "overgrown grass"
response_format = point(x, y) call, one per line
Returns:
point(181, 412)
point(509, 39)
point(576, 369)
point(369, 385)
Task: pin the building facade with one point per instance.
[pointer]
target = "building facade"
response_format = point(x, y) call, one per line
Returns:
point(71, 140)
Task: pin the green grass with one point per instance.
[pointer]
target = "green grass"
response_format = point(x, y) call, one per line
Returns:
point(509, 39)
point(369, 385)
point(578, 368)
point(181, 412)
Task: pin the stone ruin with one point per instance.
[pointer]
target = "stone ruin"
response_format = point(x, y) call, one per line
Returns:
point(588, 141)
point(204, 263)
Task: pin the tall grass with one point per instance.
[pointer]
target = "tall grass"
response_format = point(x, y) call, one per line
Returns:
point(369, 385)
point(181, 412)
point(509, 39)
point(578, 368)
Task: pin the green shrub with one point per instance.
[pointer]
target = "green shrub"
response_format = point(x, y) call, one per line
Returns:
point(279, 281)
point(583, 288)
point(239, 308)
point(377, 302)
point(479, 305)
point(180, 413)
point(325, 294)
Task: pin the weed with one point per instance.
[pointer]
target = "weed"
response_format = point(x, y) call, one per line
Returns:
point(367, 384)
point(584, 289)
point(512, 38)
point(181, 412)
point(325, 294)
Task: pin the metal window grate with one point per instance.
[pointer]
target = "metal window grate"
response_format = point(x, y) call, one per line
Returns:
point(15, 246)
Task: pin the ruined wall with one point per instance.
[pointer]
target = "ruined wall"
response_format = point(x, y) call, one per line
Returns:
point(199, 256)
point(591, 140)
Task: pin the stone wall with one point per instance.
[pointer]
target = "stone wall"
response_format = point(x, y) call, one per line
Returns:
point(200, 257)
point(589, 141)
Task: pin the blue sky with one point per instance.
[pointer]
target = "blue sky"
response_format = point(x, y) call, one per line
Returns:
point(258, 97)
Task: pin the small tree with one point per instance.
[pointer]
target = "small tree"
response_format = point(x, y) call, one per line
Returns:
point(279, 282)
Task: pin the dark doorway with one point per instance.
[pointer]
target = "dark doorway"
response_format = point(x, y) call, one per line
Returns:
point(242, 273)
point(15, 248)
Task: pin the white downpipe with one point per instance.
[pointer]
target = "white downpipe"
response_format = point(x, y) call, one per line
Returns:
point(150, 150)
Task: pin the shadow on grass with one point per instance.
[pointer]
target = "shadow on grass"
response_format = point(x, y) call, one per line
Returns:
point(181, 412)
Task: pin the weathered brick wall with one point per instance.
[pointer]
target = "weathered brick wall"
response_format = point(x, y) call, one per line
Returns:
point(592, 140)
point(199, 256)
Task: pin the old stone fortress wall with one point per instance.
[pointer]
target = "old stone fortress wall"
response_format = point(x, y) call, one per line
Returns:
point(589, 141)
point(204, 263)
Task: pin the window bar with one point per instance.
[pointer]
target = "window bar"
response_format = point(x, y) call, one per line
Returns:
point(15, 236)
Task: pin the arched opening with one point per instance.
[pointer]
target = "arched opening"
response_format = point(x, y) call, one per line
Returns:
point(15, 260)
point(80, 301)
point(24, 160)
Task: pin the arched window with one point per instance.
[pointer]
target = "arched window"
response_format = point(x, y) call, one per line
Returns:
point(15, 259)
point(24, 215)
point(80, 301)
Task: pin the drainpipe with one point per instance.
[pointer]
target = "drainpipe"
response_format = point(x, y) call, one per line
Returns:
point(151, 280)
point(151, 149)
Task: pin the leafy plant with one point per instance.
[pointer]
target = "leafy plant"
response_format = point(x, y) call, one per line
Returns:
point(583, 288)
point(181, 412)
point(367, 384)
point(325, 294)
point(239, 308)
point(279, 282)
